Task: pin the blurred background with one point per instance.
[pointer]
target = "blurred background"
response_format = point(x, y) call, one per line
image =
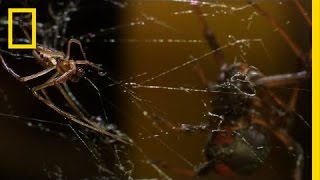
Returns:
point(149, 43)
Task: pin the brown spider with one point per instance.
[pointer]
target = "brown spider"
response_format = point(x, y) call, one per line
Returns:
point(248, 112)
point(66, 70)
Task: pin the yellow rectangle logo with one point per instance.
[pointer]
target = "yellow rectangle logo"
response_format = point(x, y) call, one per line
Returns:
point(33, 44)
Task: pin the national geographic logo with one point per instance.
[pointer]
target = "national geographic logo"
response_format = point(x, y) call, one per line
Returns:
point(32, 11)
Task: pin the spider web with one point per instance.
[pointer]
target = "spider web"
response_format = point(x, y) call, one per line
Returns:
point(149, 50)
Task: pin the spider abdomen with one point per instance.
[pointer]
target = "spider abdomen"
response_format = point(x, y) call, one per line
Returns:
point(241, 151)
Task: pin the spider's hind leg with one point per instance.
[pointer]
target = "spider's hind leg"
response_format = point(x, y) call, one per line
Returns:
point(74, 119)
point(72, 101)
point(25, 78)
point(293, 147)
point(297, 151)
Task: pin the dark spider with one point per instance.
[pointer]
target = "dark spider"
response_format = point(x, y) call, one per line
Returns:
point(247, 113)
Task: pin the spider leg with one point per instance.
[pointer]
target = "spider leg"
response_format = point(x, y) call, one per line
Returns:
point(26, 78)
point(293, 146)
point(303, 11)
point(297, 50)
point(296, 149)
point(53, 81)
point(293, 99)
point(269, 99)
point(209, 35)
point(33, 76)
point(281, 79)
point(76, 120)
point(56, 81)
point(201, 74)
point(282, 134)
point(72, 101)
point(44, 92)
point(73, 105)
point(69, 47)
point(88, 63)
point(60, 79)
point(24, 31)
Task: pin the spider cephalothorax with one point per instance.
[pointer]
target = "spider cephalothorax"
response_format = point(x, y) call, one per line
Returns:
point(237, 87)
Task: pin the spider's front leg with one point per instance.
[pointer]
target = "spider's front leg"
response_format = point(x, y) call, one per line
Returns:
point(75, 41)
point(209, 35)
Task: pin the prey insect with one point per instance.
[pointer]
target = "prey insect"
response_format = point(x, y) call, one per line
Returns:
point(65, 70)
point(248, 113)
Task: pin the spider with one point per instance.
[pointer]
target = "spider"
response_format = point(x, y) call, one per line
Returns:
point(249, 113)
point(66, 70)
